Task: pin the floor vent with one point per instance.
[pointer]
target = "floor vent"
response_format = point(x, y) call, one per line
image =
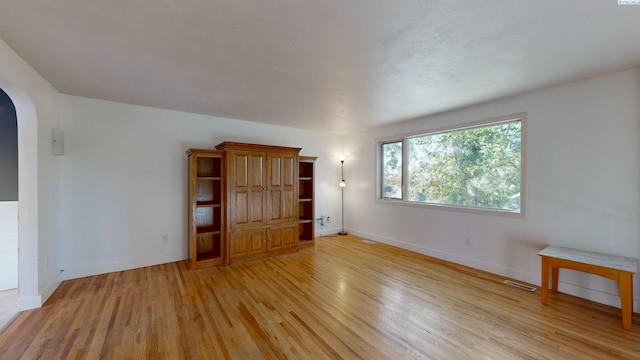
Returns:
point(370, 242)
point(520, 286)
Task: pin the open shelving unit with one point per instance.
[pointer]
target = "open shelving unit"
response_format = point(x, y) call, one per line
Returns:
point(206, 204)
point(306, 201)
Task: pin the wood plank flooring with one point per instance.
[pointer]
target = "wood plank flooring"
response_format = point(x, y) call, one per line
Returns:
point(343, 299)
point(8, 307)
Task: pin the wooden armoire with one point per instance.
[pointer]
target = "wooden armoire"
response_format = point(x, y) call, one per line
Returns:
point(261, 200)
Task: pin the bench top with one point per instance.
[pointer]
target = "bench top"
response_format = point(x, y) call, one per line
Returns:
point(592, 258)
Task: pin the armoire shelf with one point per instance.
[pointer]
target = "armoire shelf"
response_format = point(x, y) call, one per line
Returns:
point(306, 201)
point(206, 204)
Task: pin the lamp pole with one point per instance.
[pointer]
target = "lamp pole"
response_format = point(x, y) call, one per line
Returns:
point(343, 184)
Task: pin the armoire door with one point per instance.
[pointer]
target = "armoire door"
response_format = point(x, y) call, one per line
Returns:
point(247, 189)
point(282, 238)
point(247, 243)
point(282, 197)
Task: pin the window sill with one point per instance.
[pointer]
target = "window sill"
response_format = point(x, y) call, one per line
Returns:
point(466, 209)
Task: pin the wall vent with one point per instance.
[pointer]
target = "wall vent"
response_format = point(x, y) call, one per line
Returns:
point(370, 242)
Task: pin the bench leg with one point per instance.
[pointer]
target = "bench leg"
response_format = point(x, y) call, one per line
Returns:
point(626, 299)
point(555, 272)
point(544, 287)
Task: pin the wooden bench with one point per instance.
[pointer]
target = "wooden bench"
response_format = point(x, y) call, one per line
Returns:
point(618, 268)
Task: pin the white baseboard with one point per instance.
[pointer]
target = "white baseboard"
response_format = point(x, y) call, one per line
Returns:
point(47, 290)
point(594, 295)
point(99, 269)
point(324, 231)
point(531, 278)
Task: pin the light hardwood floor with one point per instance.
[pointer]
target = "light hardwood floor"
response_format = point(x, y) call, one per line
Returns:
point(341, 299)
point(8, 307)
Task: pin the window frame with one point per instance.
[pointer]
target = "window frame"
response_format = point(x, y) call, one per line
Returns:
point(521, 117)
point(381, 172)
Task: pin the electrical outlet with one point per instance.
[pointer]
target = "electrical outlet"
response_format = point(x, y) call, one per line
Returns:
point(164, 239)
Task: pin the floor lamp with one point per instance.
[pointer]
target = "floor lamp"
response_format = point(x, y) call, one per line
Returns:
point(342, 186)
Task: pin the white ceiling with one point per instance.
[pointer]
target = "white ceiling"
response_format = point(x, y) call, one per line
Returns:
point(335, 65)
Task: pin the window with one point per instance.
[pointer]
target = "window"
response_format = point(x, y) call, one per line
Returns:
point(476, 166)
point(392, 170)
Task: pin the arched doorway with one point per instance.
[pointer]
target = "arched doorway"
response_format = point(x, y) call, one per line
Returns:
point(8, 209)
point(28, 294)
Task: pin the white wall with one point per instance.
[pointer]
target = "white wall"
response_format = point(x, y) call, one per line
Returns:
point(8, 245)
point(38, 180)
point(124, 179)
point(582, 183)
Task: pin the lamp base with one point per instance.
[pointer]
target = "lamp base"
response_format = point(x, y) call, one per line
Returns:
point(343, 233)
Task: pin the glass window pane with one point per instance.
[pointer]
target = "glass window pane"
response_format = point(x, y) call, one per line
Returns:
point(392, 170)
point(478, 167)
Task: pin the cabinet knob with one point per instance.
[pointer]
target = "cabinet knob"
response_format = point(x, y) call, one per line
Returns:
point(263, 240)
